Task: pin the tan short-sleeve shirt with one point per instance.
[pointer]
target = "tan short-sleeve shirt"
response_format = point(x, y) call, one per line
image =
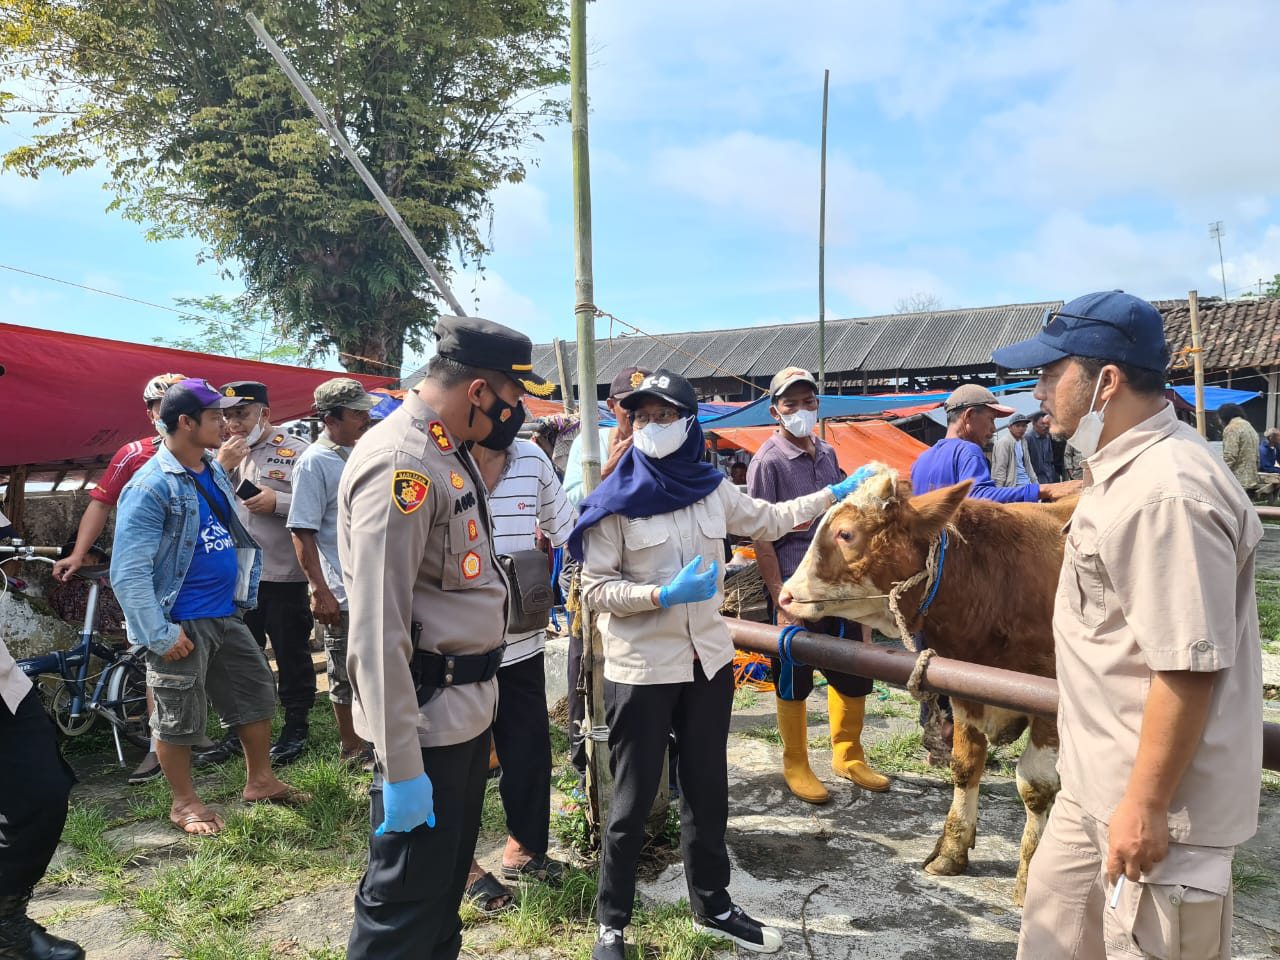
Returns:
point(1158, 576)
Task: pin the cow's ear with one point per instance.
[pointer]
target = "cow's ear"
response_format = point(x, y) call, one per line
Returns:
point(933, 511)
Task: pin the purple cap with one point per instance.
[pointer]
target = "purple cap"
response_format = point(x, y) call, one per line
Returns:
point(190, 397)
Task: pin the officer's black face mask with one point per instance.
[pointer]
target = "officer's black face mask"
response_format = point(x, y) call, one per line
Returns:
point(507, 421)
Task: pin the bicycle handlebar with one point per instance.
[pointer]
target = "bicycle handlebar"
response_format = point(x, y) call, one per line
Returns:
point(25, 552)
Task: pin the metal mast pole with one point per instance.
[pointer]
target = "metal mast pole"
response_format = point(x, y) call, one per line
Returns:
point(822, 256)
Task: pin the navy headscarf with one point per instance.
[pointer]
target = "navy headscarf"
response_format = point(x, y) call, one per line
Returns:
point(642, 487)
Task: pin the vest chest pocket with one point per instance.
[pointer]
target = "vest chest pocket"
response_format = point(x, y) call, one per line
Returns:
point(1082, 581)
point(712, 524)
point(467, 561)
point(644, 532)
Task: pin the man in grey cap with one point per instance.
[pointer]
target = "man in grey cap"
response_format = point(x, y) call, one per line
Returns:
point(344, 407)
point(428, 616)
point(1011, 464)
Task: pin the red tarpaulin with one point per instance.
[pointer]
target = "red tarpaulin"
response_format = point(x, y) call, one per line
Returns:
point(67, 397)
point(855, 443)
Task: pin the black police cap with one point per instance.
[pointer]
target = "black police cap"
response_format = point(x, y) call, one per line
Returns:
point(491, 346)
point(246, 391)
point(664, 385)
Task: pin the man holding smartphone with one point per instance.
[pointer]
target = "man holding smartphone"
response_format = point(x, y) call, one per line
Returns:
point(260, 459)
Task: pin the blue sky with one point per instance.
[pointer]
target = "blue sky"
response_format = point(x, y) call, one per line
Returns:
point(981, 152)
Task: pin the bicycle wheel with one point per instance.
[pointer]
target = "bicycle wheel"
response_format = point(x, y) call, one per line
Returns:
point(125, 699)
point(59, 695)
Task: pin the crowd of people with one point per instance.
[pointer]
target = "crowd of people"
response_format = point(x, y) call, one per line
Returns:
point(419, 549)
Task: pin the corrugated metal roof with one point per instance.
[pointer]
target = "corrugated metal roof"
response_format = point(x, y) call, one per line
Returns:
point(625, 353)
point(851, 352)
point(781, 352)
point(894, 342)
point(712, 346)
point(749, 347)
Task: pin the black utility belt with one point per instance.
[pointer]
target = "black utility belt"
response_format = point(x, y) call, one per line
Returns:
point(432, 672)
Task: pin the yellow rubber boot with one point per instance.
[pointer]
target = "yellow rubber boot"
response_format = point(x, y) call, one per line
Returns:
point(847, 758)
point(793, 726)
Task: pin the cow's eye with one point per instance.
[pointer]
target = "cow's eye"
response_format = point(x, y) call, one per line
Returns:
point(845, 536)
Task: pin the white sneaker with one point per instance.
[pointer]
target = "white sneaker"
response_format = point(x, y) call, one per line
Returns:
point(741, 929)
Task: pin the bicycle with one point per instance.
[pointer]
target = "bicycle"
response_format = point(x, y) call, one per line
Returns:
point(119, 693)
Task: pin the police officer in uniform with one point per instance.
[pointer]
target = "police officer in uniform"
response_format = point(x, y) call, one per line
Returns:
point(260, 458)
point(428, 613)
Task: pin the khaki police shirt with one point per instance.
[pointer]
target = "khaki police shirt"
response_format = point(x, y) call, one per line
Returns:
point(1158, 576)
point(627, 559)
point(14, 685)
point(269, 465)
point(415, 541)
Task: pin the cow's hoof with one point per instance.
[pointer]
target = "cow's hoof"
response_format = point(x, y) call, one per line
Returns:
point(943, 864)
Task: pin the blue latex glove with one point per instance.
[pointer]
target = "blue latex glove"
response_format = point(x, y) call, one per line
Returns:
point(406, 805)
point(851, 483)
point(690, 586)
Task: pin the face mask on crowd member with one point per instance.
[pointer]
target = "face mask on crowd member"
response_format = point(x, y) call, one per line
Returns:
point(1089, 432)
point(659, 430)
point(251, 418)
point(507, 420)
point(794, 393)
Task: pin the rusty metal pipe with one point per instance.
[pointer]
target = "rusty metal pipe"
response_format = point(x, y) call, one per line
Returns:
point(953, 678)
point(1268, 513)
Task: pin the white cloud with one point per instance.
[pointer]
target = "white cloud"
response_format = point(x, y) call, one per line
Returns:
point(521, 219)
point(1245, 269)
point(871, 289)
point(489, 295)
point(774, 183)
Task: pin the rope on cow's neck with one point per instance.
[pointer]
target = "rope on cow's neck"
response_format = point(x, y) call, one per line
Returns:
point(932, 576)
point(915, 682)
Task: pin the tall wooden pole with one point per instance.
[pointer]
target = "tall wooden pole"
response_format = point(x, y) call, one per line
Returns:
point(584, 311)
point(1197, 358)
point(822, 255)
point(566, 388)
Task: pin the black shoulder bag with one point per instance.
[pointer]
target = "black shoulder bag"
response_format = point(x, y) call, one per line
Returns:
point(529, 576)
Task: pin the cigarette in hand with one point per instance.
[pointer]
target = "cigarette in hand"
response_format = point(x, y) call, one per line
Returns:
point(1115, 894)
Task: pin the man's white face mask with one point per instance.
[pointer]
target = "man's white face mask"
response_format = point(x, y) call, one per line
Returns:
point(658, 440)
point(1089, 431)
point(801, 423)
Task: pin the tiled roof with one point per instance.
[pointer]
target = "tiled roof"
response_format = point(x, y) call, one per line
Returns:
point(1234, 333)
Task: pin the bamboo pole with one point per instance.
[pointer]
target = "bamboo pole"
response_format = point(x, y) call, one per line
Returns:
point(566, 388)
point(1197, 358)
point(822, 256)
point(584, 311)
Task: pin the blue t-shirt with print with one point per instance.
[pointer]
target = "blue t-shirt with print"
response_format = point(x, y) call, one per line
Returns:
point(209, 588)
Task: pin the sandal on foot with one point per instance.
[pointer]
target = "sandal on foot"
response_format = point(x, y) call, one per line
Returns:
point(288, 797)
point(192, 819)
point(486, 892)
point(541, 868)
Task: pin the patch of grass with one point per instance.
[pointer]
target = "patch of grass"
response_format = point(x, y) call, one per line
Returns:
point(1247, 876)
point(493, 819)
point(889, 709)
point(744, 698)
point(667, 932)
point(901, 753)
point(559, 741)
point(1268, 592)
point(327, 953)
point(96, 860)
point(768, 733)
point(1270, 782)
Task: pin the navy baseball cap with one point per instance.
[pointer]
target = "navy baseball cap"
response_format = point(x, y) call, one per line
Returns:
point(1111, 325)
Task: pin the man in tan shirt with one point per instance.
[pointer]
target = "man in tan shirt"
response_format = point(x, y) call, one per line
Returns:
point(428, 614)
point(1158, 657)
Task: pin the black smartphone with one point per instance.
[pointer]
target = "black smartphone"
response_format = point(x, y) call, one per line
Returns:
point(247, 490)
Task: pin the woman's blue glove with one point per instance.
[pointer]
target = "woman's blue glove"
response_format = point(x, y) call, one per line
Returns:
point(690, 586)
point(851, 483)
point(406, 805)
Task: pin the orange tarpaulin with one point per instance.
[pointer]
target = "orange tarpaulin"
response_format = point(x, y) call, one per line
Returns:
point(855, 443)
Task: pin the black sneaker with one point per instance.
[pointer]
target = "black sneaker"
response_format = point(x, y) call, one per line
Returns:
point(226, 748)
point(747, 933)
point(609, 945)
point(148, 769)
point(293, 740)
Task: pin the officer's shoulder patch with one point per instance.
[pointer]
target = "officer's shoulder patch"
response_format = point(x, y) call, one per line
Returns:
point(471, 565)
point(286, 452)
point(409, 489)
point(440, 436)
point(455, 478)
point(275, 474)
point(277, 439)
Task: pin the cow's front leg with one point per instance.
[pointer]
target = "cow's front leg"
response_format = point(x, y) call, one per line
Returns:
point(968, 759)
point(1038, 786)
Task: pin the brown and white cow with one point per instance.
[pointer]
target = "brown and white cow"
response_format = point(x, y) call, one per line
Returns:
point(993, 606)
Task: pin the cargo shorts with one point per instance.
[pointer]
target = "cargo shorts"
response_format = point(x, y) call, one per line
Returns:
point(335, 652)
point(225, 667)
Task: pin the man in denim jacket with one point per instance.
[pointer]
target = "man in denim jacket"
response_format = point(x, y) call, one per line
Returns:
point(184, 569)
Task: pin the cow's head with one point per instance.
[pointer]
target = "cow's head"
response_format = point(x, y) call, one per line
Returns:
point(872, 539)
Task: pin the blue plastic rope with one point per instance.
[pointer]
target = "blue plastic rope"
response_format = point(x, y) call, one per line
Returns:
point(841, 633)
point(557, 557)
point(784, 642)
point(937, 577)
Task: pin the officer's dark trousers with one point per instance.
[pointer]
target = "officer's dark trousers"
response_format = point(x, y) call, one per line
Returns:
point(33, 805)
point(283, 615)
point(522, 736)
point(407, 903)
point(641, 721)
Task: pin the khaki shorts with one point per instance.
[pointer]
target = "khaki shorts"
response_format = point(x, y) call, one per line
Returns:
point(335, 652)
point(1068, 914)
point(225, 667)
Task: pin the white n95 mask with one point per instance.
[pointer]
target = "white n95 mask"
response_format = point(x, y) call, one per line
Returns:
point(658, 440)
point(801, 423)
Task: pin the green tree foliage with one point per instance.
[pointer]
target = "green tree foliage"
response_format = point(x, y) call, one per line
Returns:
point(1272, 289)
point(202, 134)
point(240, 327)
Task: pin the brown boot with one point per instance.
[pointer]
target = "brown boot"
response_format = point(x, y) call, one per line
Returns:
point(847, 758)
point(793, 725)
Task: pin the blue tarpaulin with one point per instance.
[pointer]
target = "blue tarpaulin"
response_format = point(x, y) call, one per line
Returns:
point(1214, 397)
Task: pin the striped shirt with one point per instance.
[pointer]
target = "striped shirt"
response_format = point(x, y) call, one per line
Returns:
point(127, 461)
point(528, 497)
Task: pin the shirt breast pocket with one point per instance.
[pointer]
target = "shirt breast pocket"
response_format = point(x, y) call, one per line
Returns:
point(643, 533)
point(712, 525)
point(1082, 581)
point(467, 561)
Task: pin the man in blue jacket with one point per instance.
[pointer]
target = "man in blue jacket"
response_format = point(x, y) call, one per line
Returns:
point(972, 411)
point(184, 569)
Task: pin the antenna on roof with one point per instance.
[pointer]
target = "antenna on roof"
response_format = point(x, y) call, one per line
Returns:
point(1215, 233)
